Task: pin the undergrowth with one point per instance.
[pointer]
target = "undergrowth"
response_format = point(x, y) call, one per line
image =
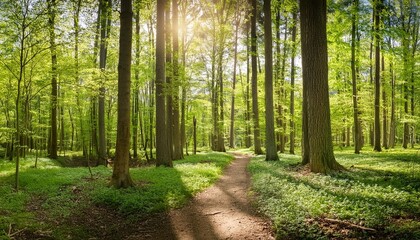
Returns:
point(378, 197)
point(50, 194)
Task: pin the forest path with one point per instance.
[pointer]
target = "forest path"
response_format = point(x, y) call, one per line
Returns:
point(223, 211)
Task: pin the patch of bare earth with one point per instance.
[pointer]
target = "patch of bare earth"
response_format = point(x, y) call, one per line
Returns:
point(223, 211)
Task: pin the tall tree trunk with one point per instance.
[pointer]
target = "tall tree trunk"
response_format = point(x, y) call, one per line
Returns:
point(247, 98)
point(377, 124)
point(135, 117)
point(53, 48)
point(392, 124)
point(176, 137)
point(254, 80)
point(385, 109)
point(270, 142)
point(163, 156)
point(169, 88)
point(121, 175)
point(103, 52)
point(235, 59)
point(315, 85)
point(354, 77)
point(292, 85)
point(183, 79)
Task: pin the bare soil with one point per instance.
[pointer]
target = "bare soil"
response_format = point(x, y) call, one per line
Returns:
point(223, 211)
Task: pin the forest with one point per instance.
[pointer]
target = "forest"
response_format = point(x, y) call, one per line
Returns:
point(124, 109)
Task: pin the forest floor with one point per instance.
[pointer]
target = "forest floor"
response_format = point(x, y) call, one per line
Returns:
point(223, 211)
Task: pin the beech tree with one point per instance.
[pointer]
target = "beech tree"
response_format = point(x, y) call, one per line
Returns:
point(163, 156)
point(254, 83)
point(270, 142)
point(121, 176)
point(313, 24)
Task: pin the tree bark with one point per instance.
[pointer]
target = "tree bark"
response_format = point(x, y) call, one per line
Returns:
point(163, 157)
point(354, 77)
point(105, 6)
point(315, 80)
point(270, 142)
point(176, 137)
point(235, 59)
point(121, 176)
point(377, 124)
point(53, 48)
point(292, 86)
point(254, 80)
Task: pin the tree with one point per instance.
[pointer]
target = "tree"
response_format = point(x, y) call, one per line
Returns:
point(254, 80)
point(292, 85)
point(315, 85)
point(377, 130)
point(162, 150)
point(354, 62)
point(121, 176)
point(105, 16)
point(270, 142)
point(176, 137)
point(53, 48)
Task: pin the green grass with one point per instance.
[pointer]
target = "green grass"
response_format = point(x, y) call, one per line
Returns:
point(380, 191)
point(56, 193)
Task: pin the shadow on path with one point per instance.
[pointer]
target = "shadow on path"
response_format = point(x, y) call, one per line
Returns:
point(222, 211)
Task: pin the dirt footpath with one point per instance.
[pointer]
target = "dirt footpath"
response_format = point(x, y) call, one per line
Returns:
point(223, 211)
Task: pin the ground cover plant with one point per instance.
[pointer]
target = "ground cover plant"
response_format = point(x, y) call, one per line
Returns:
point(377, 198)
point(56, 202)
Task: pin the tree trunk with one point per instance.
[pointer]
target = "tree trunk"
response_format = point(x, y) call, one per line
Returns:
point(254, 80)
point(135, 117)
point(354, 77)
point(292, 85)
point(315, 80)
point(51, 22)
point(392, 124)
point(247, 98)
point(195, 135)
point(169, 88)
point(176, 137)
point(163, 156)
point(270, 142)
point(235, 59)
point(377, 124)
point(121, 175)
point(384, 110)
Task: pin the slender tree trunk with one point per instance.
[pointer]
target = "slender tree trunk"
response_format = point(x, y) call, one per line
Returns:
point(254, 81)
point(169, 88)
point(195, 135)
point(270, 142)
point(292, 85)
point(384, 110)
point(163, 156)
point(103, 52)
point(135, 117)
point(183, 76)
point(51, 22)
point(392, 124)
point(235, 59)
point(247, 98)
point(354, 77)
point(377, 125)
point(121, 175)
point(176, 137)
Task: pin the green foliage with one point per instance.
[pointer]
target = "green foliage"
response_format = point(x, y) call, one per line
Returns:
point(57, 193)
point(380, 191)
